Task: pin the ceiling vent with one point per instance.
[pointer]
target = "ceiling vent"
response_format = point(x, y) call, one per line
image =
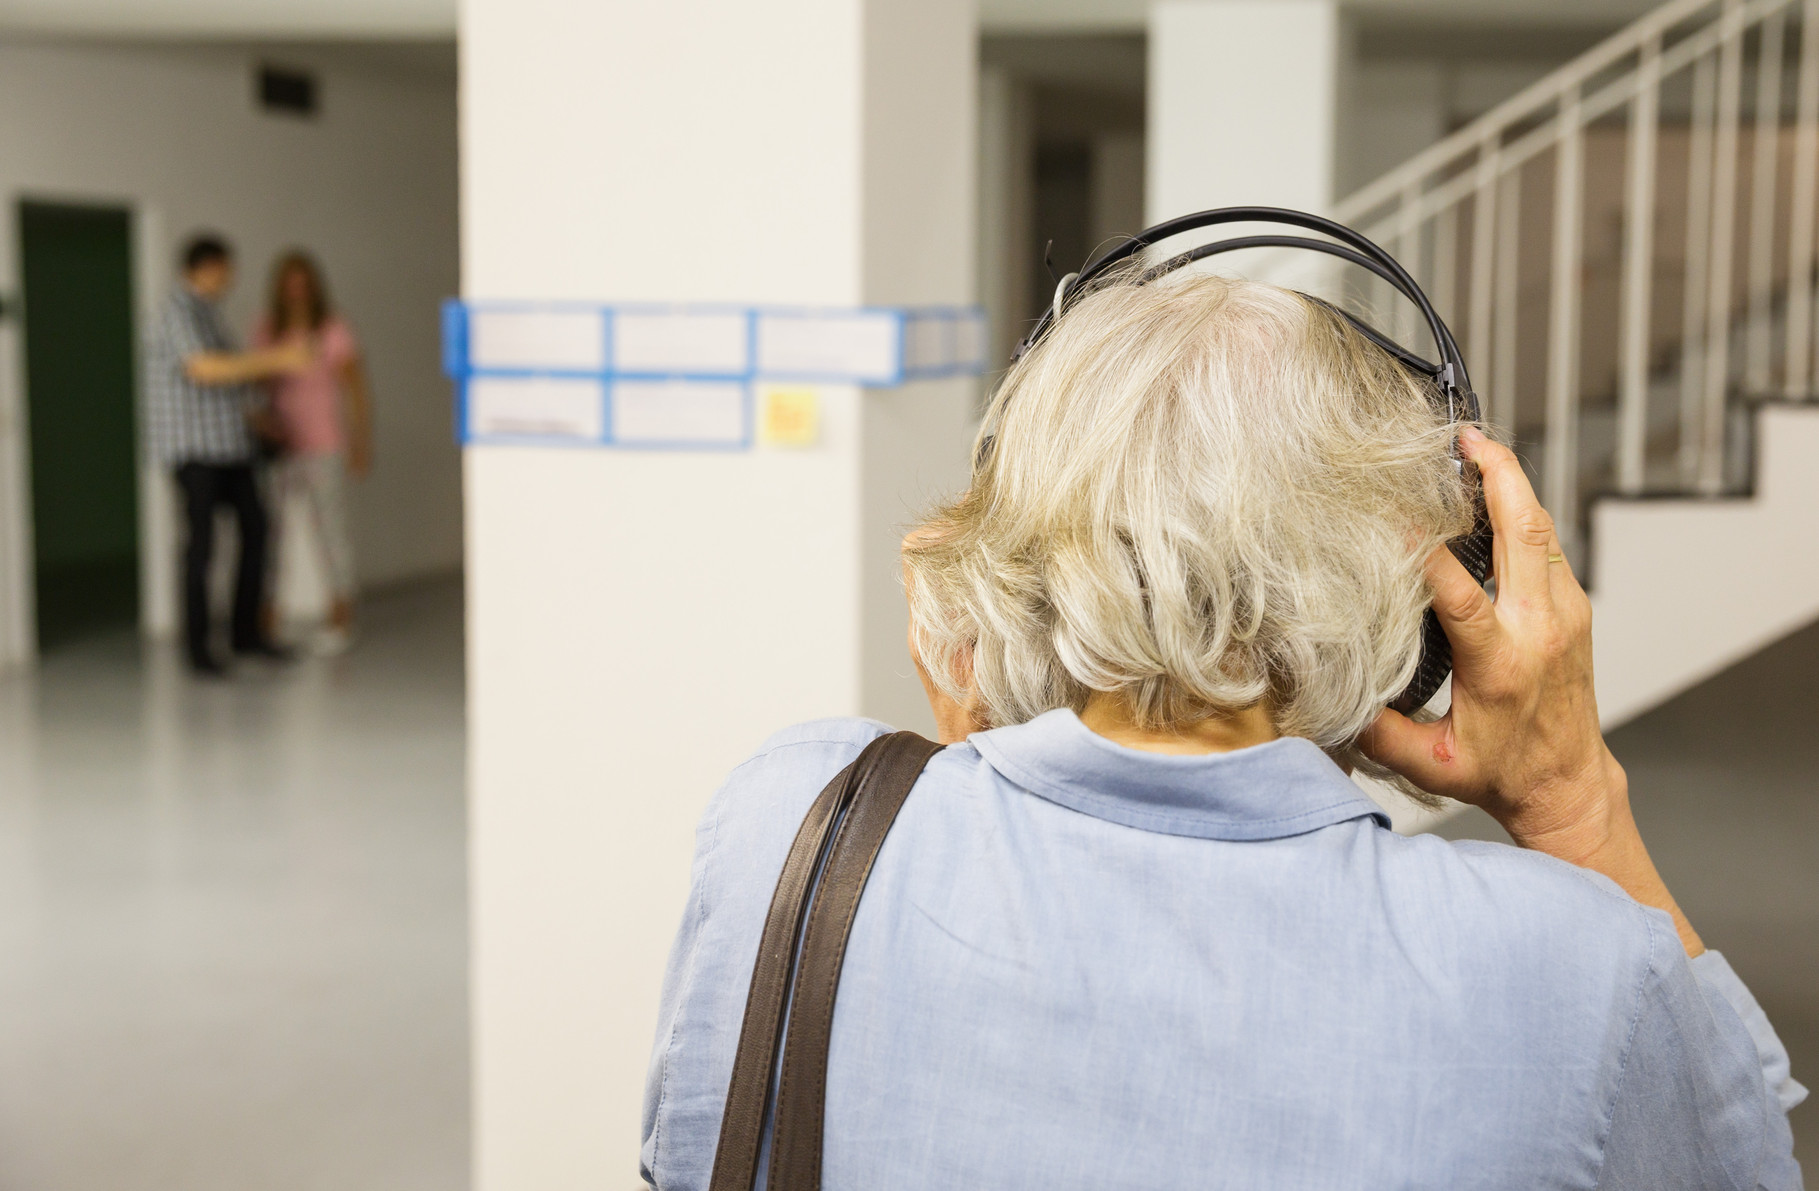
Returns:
point(287, 92)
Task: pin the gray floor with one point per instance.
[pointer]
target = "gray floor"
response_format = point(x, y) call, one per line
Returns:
point(232, 918)
point(232, 943)
point(1725, 783)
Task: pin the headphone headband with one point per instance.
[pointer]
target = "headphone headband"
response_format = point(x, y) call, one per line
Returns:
point(1352, 246)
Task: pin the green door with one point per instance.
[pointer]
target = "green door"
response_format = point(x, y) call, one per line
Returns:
point(76, 267)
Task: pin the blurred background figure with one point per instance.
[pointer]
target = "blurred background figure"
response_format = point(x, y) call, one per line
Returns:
point(322, 419)
point(199, 400)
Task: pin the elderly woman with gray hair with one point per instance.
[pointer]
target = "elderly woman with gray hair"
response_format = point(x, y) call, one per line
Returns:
point(1135, 926)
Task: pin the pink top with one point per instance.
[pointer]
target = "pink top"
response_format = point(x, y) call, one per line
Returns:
point(309, 402)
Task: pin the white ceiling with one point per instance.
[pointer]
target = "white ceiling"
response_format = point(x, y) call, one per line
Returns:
point(286, 19)
point(436, 18)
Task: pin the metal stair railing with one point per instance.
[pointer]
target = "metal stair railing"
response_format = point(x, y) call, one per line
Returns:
point(1493, 221)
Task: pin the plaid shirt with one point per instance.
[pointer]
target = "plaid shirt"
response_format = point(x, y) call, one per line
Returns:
point(186, 422)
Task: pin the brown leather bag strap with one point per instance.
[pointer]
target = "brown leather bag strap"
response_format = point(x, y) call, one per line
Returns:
point(802, 1085)
point(748, 1091)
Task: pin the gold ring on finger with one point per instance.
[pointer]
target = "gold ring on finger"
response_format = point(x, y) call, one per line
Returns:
point(1556, 558)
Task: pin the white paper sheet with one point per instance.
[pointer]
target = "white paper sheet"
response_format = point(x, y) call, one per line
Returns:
point(970, 343)
point(679, 413)
point(536, 407)
point(681, 342)
point(927, 342)
point(860, 347)
point(554, 340)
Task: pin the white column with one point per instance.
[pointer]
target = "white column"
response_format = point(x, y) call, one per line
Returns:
point(1007, 174)
point(1242, 104)
point(639, 621)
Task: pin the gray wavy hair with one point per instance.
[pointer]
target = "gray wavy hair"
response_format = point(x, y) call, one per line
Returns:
point(1200, 495)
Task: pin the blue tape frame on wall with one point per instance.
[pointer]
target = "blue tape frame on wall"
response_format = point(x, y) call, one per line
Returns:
point(676, 377)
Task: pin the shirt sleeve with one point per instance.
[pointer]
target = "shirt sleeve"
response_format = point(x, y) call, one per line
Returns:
point(1716, 977)
point(744, 836)
point(675, 976)
point(1705, 1089)
point(181, 339)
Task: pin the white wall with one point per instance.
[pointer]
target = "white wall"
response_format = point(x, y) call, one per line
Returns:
point(368, 185)
point(1242, 99)
point(1682, 589)
point(1392, 108)
point(1389, 111)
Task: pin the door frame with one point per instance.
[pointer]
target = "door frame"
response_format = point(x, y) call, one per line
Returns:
point(157, 513)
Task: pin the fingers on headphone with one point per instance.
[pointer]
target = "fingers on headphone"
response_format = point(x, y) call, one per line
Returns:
point(1524, 530)
point(1464, 610)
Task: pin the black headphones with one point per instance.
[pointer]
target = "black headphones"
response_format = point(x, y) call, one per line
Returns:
point(1451, 386)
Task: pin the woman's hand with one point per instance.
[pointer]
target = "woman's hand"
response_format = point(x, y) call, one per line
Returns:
point(1521, 738)
point(294, 354)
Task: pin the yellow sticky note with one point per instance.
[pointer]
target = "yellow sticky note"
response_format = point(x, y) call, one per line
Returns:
point(789, 417)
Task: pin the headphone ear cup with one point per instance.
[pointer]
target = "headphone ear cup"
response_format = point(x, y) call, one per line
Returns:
point(1435, 664)
point(1474, 553)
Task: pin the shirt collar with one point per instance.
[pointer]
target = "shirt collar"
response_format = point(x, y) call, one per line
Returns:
point(1267, 791)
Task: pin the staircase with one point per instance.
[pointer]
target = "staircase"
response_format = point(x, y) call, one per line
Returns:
point(1627, 252)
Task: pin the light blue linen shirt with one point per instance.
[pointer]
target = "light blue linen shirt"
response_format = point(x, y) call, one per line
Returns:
point(1081, 966)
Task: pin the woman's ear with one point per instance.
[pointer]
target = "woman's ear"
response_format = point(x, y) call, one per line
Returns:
point(954, 721)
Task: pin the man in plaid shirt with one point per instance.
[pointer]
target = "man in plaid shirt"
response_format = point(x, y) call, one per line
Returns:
point(199, 394)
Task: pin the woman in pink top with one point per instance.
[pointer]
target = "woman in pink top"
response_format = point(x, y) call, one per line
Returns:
point(323, 416)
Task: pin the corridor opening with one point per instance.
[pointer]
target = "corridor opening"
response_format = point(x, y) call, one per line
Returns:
point(76, 269)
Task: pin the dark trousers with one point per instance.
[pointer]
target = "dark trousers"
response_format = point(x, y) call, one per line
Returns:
point(205, 487)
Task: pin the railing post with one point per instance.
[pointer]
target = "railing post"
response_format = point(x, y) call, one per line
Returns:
point(1484, 231)
point(1758, 364)
point(1698, 248)
point(1798, 370)
point(1638, 272)
point(1561, 481)
point(1445, 293)
point(1724, 236)
point(1506, 305)
point(1408, 251)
